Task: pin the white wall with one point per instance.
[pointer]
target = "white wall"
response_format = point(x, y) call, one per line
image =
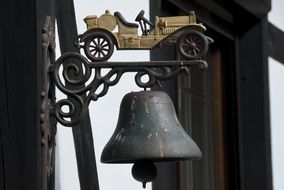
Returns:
point(276, 83)
point(276, 77)
point(104, 112)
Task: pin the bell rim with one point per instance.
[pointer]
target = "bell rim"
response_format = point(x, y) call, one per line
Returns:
point(162, 159)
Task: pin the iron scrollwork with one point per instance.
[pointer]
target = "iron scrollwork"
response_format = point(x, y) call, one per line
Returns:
point(85, 81)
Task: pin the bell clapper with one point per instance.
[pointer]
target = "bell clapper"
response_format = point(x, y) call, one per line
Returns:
point(144, 171)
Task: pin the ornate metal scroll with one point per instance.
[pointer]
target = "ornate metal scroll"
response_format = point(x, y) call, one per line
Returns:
point(48, 125)
point(69, 80)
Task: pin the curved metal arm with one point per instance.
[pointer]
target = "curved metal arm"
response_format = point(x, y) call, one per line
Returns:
point(90, 74)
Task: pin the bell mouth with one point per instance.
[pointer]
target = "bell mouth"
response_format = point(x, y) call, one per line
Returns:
point(162, 159)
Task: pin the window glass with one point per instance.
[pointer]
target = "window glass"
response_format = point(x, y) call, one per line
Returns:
point(276, 80)
point(201, 97)
point(104, 112)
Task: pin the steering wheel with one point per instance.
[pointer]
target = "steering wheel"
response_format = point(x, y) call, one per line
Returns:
point(140, 16)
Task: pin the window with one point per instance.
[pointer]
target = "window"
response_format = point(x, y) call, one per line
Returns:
point(203, 112)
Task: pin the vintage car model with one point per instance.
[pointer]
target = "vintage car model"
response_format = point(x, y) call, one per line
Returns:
point(108, 30)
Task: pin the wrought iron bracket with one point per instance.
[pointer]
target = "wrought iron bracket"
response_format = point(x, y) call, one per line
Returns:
point(83, 81)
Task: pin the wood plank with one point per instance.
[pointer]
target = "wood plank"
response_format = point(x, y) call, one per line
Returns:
point(219, 130)
point(259, 8)
point(214, 7)
point(209, 15)
point(82, 134)
point(229, 113)
point(276, 46)
point(253, 108)
point(21, 79)
point(3, 100)
point(2, 179)
point(21, 136)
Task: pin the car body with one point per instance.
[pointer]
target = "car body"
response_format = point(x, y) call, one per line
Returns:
point(109, 30)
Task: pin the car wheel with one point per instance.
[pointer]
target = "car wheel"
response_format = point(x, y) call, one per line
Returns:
point(192, 45)
point(99, 46)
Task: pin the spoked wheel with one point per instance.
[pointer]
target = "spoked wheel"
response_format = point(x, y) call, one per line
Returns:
point(192, 45)
point(99, 47)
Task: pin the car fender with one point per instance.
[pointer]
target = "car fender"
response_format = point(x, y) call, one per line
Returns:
point(92, 31)
point(176, 34)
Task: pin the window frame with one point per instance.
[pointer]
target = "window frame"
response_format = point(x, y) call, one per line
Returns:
point(247, 82)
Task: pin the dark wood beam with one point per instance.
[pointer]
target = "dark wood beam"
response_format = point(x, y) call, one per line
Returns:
point(275, 44)
point(82, 134)
point(3, 99)
point(253, 108)
point(20, 81)
point(212, 15)
point(259, 8)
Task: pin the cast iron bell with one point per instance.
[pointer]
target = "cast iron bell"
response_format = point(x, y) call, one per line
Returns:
point(148, 131)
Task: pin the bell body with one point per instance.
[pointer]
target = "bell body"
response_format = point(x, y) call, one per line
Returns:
point(148, 129)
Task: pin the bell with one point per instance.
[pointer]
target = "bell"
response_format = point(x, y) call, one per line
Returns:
point(148, 131)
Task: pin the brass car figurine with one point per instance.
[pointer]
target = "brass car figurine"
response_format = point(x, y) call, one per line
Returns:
point(108, 30)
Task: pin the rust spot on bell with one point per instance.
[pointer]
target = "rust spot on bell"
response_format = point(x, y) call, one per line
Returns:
point(146, 108)
point(161, 149)
point(166, 129)
point(133, 103)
